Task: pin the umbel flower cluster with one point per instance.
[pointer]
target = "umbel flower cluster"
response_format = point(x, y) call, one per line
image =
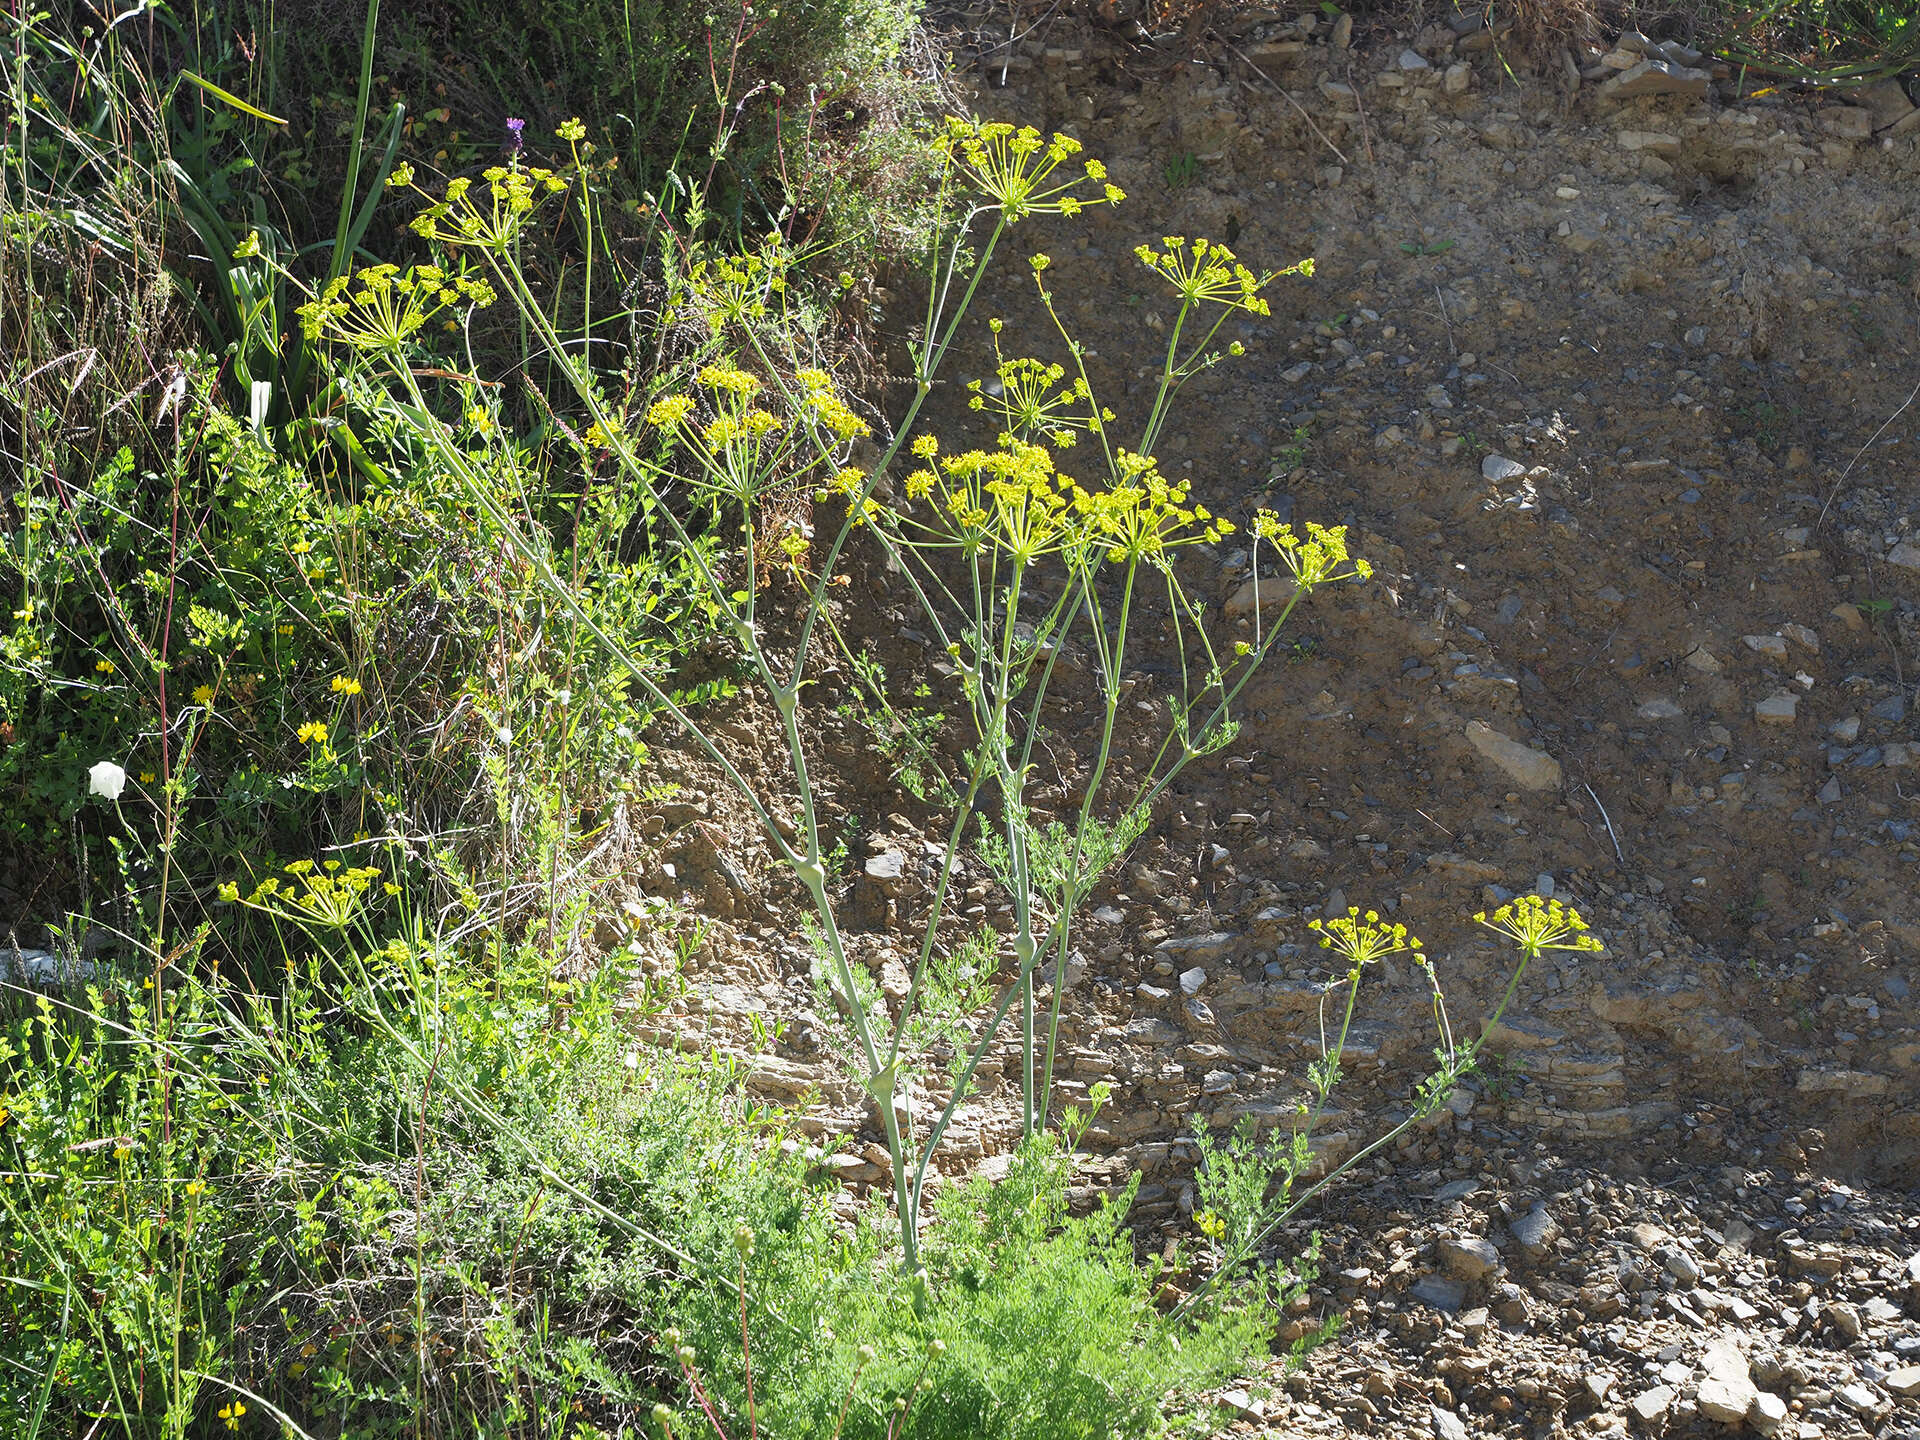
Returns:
point(326, 894)
point(1020, 171)
point(1535, 925)
point(1363, 940)
point(383, 306)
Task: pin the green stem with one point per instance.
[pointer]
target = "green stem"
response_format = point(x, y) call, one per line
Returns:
point(338, 265)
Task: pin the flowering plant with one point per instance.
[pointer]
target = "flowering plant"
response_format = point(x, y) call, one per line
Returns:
point(762, 432)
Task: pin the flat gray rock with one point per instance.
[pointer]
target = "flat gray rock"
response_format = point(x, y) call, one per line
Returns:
point(1439, 1292)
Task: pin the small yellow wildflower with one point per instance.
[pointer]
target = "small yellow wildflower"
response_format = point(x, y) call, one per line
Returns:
point(1363, 940)
point(202, 694)
point(314, 732)
point(670, 411)
point(342, 685)
point(729, 380)
point(1535, 925)
point(231, 1414)
point(105, 667)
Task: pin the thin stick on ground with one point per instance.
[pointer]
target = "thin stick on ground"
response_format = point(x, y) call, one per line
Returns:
point(1609, 824)
point(1366, 134)
point(1446, 320)
point(1834, 493)
point(1280, 90)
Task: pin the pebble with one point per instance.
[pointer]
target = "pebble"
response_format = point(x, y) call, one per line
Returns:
point(1846, 1320)
point(1211, 946)
point(1683, 1267)
point(1498, 467)
point(1774, 647)
point(1243, 1405)
point(1647, 1237)
point(1468, 1256)
point(1802, 636)
point(1727, 1392)
point(1657, 77)
point(1779, 708)
point(1905, 555)
point(1650, 1405)
point(1767, 1413)
point(1527, 767)
point(1858, 1397)
point(1536, 1230)
point(1192, 980)
point(1439, 1292)
point(1447, 1425)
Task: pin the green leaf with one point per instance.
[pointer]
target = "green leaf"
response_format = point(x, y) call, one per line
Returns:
point(232, 99)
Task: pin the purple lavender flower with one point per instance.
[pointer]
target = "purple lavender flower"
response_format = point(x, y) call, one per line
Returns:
point(514, 127)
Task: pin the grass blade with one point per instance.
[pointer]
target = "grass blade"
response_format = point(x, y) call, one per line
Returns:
point(230, 98)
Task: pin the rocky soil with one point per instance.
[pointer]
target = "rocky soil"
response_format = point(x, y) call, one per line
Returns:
point(1605, 368)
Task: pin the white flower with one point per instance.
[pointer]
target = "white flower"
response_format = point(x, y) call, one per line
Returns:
point(106, 778)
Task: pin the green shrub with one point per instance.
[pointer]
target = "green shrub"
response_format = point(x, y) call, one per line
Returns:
point(786, 115)
point(402, 1191)
point(1026, 1323)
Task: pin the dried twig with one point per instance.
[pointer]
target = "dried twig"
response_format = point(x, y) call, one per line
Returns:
point(1609, 824)
point(1833, 493)
point(1276, 87)
point(1366, 133)
point(1446, 320)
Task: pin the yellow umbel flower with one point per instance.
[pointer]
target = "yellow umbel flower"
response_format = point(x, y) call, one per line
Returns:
point(670, 411)
point(728, 380)
point(1365, 939)
point(1019, 171)
point(1535, 925)
point(382, 306)
point(1317, 560)
point(325, 895)
point(495, 217)
point(1207, 270)
point(1146, 515)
